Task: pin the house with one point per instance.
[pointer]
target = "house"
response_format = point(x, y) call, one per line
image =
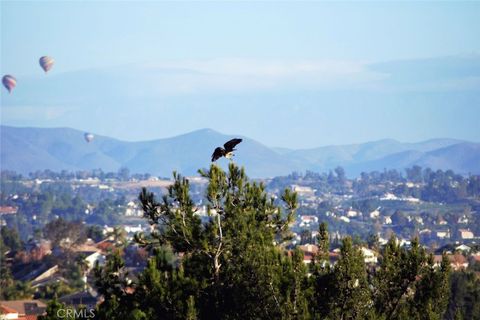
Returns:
point(425, 232)
point(375, 213)
point(463, 220)
point(311, 250)
point(382, 241)
point(307, 220)
point(88, 298)
point(418, 220)
point(457, 261)
point(465, 234)
point(34, 271)
point(410, 199)
point(344, 219)
point(442, 222)
point(54, 278)
point(105, 245)
point(443, 234)
point(133, 229)
point(388, 196)
point(387, 220)
point(45, 277)
point(303, 191)
point(369, 256)
point(7, 313)
point(463, 248)
point(22, 309)
point(475, 259)
point(352, 213)
point(133, 209)
point(308, 257)
point(4, 210)
point(93, 257)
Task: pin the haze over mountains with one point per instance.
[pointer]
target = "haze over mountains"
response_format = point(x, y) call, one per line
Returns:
point(29, 149)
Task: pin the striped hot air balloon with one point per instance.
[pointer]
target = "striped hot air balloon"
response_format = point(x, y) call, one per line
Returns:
point(9, 82)
point(46, 63)
point(88, 136)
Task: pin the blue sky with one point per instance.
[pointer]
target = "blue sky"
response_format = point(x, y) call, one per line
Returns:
point(292, 74)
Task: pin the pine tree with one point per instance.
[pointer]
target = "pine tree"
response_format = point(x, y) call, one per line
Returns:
point(322, 276)
point(112, 283)
point(350, 296)
point(234, 260)
point(430, 300)
point(56, 310)
point(323, 244)
point(396, 277)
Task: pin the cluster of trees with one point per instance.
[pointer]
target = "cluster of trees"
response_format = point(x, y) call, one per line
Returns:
point(435, 186)
point(10, 289)
point(38, 207)
point(237, 265)
point(123, 174)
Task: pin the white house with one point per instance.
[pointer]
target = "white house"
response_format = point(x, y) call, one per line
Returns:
point(369, 255)
point(463, 247)
point(375, 213)
point(93, 257)
point(387, 220)
point(352, 213)
point(303, 191)
point(344, 219)
point(443, 234)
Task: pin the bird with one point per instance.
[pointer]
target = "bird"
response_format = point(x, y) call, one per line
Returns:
point(226, 151)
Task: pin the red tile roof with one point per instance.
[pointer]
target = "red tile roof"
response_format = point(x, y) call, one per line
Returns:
point(6, 310)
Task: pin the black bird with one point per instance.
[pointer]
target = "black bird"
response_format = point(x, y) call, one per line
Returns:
point(226, 151)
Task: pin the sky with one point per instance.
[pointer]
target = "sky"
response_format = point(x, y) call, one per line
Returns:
point(288, 74)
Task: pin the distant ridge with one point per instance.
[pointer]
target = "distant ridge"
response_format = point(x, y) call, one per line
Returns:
point(29, 149)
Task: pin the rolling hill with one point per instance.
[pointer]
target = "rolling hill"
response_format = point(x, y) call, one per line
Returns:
point(29, 149)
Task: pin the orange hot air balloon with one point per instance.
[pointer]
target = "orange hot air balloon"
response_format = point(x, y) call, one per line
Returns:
point(9, 82)
point(46, 63)
point(88, 137)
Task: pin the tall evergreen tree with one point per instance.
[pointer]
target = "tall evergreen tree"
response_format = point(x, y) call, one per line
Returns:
point(350, 296)
point(233, 260)
point(322, 276)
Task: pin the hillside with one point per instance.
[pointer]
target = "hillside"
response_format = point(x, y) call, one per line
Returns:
point(28, 149)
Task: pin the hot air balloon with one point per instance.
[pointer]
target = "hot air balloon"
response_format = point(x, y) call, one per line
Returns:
point(46, 63)
point(88, 137)
point(9, 82)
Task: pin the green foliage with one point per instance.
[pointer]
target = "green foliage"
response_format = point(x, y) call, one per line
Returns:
point(65, 233)
point(350, 293)
point(54, 290)
point(11, 289)
point(236, 264)
point(10, 240)
point(323, 243)
point(55, 310)
point(465, 296)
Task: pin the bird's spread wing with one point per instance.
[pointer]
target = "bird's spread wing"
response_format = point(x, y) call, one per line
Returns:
point(218, 153)
point(229, 145)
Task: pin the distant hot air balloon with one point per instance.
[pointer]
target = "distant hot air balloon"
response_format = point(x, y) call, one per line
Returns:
point(88, 137)
point(9, 82)
point(46, 63)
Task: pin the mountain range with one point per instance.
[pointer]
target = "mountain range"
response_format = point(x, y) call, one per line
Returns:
point(29, 149)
